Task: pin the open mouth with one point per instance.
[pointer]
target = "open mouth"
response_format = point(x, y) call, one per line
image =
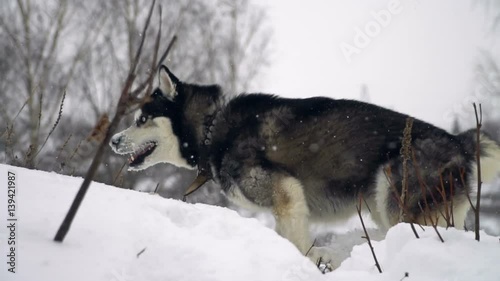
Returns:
point(140, 155)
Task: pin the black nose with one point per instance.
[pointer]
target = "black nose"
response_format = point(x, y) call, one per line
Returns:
point(116, 140)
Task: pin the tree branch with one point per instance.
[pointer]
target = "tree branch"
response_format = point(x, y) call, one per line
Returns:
point(120, 110)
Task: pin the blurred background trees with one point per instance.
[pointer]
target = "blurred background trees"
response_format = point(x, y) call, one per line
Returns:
point(488, 89)
point(75, 54)
point(488, 72)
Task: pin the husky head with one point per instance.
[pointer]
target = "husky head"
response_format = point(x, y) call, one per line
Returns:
point(168, 126)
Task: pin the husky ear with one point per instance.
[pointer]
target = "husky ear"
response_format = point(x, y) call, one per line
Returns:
point(168, 82)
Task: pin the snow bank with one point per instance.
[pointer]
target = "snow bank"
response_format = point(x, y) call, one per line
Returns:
point(123, 235)
point(181, 241)
point(460, 257)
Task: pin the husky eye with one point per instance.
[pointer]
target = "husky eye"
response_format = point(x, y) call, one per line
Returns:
point(142, 120)
point(156, 93)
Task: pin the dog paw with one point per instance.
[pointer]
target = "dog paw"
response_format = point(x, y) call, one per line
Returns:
point(323, 258)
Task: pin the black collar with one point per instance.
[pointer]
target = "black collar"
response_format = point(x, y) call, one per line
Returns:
point(209, 124)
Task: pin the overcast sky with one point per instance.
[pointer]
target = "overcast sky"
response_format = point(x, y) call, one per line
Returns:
point(420, 61)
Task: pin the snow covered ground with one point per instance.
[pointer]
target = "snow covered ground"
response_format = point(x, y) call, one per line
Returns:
point(123, 235)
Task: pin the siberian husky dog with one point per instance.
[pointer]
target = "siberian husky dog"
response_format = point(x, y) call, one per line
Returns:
point(308, 159)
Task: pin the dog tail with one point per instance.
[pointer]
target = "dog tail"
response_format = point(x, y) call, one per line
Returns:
point(489, 154)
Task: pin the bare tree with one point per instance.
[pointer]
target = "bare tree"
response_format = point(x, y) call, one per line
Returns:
point(84, 49)
point(488, 72)
point(488, 87)
point(488, 91)
point(32, 33)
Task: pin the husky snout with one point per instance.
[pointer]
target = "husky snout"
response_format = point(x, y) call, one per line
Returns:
point(115, 142)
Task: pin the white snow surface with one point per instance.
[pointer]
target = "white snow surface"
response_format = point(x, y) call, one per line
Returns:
point(181, 241)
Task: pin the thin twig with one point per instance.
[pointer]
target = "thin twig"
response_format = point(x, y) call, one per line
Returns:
point(479, 123)
point(310, 248)
point(397, 197)
point(367, 206)
point(157, 188)
point(405, 276)
point(414, 230)
point(40, 104)
point(434, 225)
point(451, 215)
point(119, 172)
point(61, 150)
point(436, 203)
point(143, 85)
point(75, 151)
point(21, 109)
point(451, 201)
point(462, 178)
point(155, 54)
point(54, 126)
point(421, 227)
point(9, 142)
point(367, 237)
point(423, 212)
point(140, 252)
point(442, 191)
point(138, 53)
point(423, 187)
point(28, 155)
point(154, 68)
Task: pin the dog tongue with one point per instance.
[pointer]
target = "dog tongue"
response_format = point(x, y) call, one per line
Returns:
point(197, 183)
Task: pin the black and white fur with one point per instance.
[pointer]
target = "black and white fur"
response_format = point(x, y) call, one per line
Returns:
point(303, 159)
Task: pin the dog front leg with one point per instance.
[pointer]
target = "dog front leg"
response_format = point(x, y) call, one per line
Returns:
point(291, 212)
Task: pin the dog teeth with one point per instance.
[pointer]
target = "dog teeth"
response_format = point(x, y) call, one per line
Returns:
point(143, 149)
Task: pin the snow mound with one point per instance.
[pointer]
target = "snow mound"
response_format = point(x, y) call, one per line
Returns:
point(123, 235)
point(460, 257)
